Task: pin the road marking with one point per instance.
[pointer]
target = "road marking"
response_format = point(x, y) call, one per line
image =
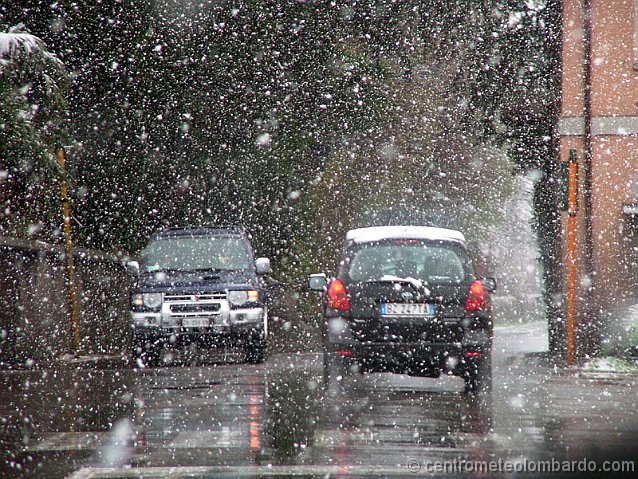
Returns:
point(70, 441)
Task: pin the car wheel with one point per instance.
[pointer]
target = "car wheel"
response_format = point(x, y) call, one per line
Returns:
point(329, 368)
point(146, 358)
point(336, 368)
point(144, 354)
point(256, 350)
point(478, 377)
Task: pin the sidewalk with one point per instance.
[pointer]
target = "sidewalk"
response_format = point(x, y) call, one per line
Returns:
point(71, 361)
point(585, 413)
point(93, 361)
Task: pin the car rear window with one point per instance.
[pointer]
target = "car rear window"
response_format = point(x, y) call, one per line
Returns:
point(429, 262)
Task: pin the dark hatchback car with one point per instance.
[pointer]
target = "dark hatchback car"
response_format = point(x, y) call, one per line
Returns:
point(407, 299)
point(199, 284)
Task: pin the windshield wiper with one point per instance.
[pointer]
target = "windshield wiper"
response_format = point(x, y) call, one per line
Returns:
point(209, 270)
point(195, 270)
point(164, 270)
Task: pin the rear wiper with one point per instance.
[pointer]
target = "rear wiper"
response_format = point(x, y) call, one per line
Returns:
point(417, 283)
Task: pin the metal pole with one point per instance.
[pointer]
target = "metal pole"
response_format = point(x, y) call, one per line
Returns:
point(590, 334)
point(572, 207)
point(68, 247)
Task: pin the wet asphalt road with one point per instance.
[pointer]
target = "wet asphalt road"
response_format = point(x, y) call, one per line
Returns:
point(227, 419)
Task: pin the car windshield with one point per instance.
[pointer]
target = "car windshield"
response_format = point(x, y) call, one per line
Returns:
point(195, 254)
point(432, 263)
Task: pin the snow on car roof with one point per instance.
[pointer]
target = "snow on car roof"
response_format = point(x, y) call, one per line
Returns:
point(377, 233)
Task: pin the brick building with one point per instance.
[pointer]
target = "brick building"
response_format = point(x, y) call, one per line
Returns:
point(599, 120)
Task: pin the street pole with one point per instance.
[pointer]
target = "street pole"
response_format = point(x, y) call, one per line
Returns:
point(68, 248)
point(572, 207)
point(590, 326)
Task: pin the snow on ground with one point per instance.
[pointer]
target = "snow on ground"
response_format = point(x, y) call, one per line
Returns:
point(610, 364)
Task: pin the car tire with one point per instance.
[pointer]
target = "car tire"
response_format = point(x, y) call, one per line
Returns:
point(336, 368)
point(144, 354)
point(479, 378)
point(256, 349)
point(329, 368)
point(147, 358)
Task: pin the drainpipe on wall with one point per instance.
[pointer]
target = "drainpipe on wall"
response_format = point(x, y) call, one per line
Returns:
point(590, 314)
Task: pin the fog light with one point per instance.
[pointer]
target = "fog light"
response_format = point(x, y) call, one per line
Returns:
point(451, 362)
point(337, 326)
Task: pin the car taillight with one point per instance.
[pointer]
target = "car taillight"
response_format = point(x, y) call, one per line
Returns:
point(476, 298)
point(337, 296)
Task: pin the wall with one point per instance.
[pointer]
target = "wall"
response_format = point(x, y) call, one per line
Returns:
point(614, 132)
point(35, 325)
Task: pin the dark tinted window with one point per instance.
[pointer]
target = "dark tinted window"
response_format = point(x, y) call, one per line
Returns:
point(429, 262)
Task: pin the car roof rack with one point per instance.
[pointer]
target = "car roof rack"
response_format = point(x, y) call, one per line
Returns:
point(203, 230)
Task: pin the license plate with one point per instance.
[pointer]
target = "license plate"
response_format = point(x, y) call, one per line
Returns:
point(407, 309)
point(195, 322)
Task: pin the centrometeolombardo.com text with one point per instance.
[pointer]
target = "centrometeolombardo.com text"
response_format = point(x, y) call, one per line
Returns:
point(518, 465)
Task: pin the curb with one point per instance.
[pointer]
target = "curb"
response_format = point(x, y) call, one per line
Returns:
point(94, 361)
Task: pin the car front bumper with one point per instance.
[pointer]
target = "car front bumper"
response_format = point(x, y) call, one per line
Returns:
point(239, 326)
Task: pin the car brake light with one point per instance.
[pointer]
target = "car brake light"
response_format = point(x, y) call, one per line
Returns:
point(476, 298)
point(337, 296)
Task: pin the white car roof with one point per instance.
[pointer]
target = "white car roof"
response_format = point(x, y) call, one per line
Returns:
point(377, 233)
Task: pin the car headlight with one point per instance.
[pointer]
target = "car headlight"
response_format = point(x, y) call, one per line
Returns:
point(148, 300)
point(240, 298)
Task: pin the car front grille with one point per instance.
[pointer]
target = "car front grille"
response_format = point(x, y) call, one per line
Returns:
point(194, 298)
point(196, 311)
point(195, 308)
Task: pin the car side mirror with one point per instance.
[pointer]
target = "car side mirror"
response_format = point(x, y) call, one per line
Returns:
point(318, 282)
point(133, 267)
point(490, 284)
point(262, 266)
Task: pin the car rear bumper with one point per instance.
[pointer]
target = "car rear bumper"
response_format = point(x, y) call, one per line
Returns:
point(417, 358)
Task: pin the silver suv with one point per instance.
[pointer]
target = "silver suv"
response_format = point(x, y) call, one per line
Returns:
point(199, 284)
